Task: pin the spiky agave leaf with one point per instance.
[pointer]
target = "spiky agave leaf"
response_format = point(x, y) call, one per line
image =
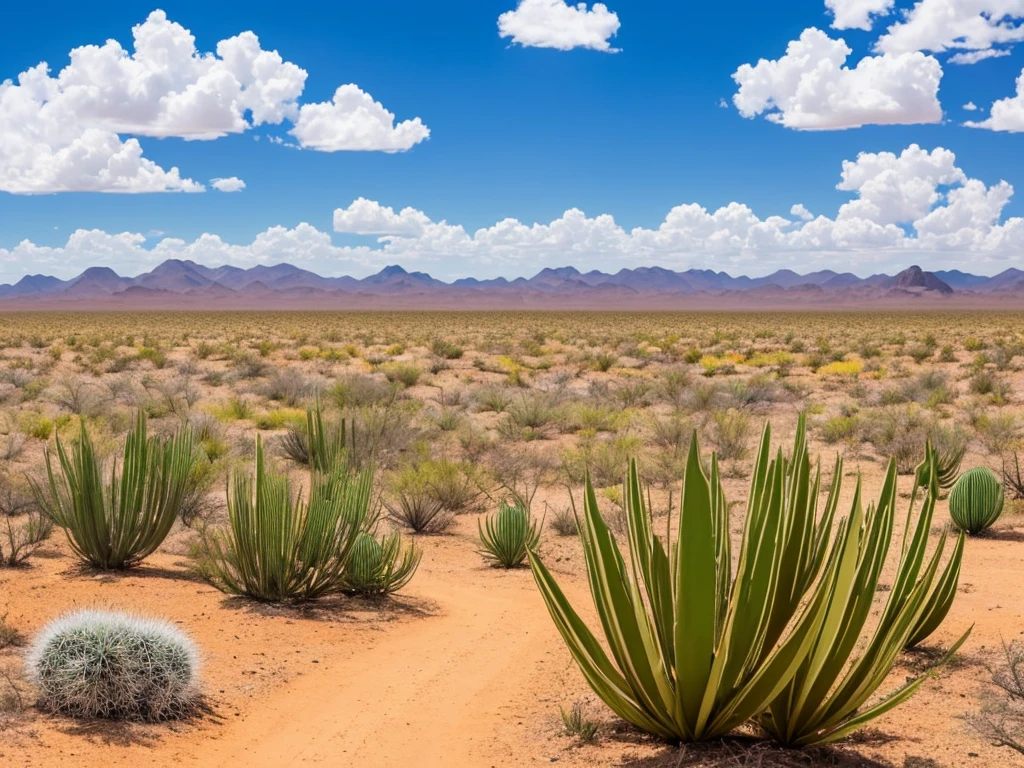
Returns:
point(944, 589)
point(945, 467)
point(823, 701)
point(118, 523)
point(508, 535)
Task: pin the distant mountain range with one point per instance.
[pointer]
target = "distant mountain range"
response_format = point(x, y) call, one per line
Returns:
point(185, 284)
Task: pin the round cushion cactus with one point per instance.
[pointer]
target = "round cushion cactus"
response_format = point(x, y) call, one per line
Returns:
point(113, 665)
point(976, 500)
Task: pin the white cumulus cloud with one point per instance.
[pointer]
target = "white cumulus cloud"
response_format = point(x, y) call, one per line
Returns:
point(230, 184)
point(354, 121)
point(918, 205)
point(857, 14)
point(75, 131)
point(811, 88)
point(557, 24)
point(951, 25)
point(1006, 114)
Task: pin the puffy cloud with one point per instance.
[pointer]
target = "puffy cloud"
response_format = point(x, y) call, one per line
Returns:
point(230, 184)
point(970, 106)
point(913, 206)
point(556, 24)
point(65, 132)
point(1006, 114)
point(944, 25)
point(354, 121)
point(810, 88)
point(857, 14)
point(895, 189)
point(368, 217)
point(800, 211)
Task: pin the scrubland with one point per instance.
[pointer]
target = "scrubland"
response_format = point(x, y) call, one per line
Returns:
point(458, 415)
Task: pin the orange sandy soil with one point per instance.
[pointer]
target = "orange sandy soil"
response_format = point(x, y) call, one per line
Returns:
point(464, 668)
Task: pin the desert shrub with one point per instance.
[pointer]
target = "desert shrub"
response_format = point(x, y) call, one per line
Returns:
point(576, 723)
point(112, 665)
point(36, 425)
point(250, 366)
point(999, 432)
point(730, 433)
point(976, 500)
point(358, 390)
point(1000, 720)
point(532, 414)
point(604, 362)
point(838, 429)
point(446, 349)
point(23, 526)
point(288, 386)
point(380, 566)
point(411, 502)
point(118, 523)
point(793, 666)
point(401, 373)
point(563, 522)
point(496, 399)
point(458, 486)
point(982, 383)
point(280, 547)
point(507, 535)
point(604, 459)
point(902, 433)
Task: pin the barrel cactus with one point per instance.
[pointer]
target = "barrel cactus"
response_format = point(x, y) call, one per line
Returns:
point(976, 500)
point(115, 666)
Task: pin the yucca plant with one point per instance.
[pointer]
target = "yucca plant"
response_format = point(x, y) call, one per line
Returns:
point(118, 523)
point(697, 650)
point(278, 546)
point(508, 535)
point(823, 702)
point(976, 500)
point(380, 566)
point(946, 465)
point(322, 444)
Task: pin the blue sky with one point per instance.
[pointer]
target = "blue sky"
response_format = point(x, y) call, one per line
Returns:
point(522, 132)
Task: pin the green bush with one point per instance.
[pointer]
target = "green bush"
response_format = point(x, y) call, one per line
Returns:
point(508, 535)
point(119, 522)
point(278, 546)
point(111, 665)
point(690, 661)
point(976, 500)
point(380, 566)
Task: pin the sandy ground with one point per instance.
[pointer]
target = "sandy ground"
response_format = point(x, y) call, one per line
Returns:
point(463, 669)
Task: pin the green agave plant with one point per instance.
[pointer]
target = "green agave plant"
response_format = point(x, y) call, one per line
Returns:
point(118, 523)
point(508, 535)
point(946, 466)
point(697, 650)
point(380, 566)
point(278, 546)
point(944, 590)
point(976, 500)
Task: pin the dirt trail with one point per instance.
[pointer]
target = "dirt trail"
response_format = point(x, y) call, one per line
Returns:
point(431, 694)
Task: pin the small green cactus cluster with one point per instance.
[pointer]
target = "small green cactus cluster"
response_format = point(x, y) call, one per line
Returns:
point(380, 566)
point(115, 666)
point(976, 500)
